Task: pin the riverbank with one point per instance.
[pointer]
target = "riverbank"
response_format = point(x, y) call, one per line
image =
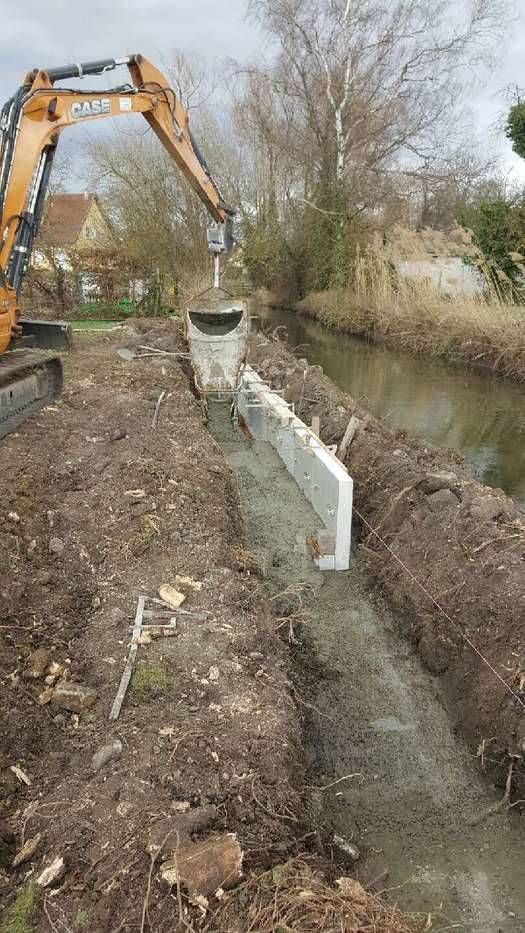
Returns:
point(448, 406)
point(486, 335)
point(449, 558)
point(205, 757)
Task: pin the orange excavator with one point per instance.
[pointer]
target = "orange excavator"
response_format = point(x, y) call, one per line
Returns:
point(30, 125)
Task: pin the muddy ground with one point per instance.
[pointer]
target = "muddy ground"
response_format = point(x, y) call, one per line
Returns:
point(394, 779)
point(450, 562)
point(97, 509)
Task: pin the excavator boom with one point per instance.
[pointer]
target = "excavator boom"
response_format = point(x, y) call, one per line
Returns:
point(30, 124)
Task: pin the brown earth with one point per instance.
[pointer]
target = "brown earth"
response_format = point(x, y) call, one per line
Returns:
point(443, 533)
point(96, 509)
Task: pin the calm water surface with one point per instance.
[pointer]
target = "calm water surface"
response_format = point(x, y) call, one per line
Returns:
point(481, 417)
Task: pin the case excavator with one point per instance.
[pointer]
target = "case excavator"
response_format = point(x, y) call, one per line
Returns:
point(30, 126)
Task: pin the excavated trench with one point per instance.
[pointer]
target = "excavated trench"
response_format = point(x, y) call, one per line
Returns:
point(425, 821)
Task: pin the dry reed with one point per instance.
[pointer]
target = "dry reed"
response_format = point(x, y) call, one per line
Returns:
point(479, 329)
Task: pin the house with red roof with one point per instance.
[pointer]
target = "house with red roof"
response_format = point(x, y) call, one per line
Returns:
point(72, 223)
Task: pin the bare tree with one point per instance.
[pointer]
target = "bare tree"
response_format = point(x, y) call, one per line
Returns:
point(360, 98)
point(371, 81)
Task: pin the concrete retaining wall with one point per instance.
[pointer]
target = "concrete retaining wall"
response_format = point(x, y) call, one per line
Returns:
point(317, 471)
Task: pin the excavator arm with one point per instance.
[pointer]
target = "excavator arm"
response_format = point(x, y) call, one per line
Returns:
point(31, 124)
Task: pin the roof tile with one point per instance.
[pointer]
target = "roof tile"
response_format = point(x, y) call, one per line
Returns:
point(64, 218)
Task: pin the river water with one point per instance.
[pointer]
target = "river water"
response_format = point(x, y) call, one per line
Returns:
point(475, 414)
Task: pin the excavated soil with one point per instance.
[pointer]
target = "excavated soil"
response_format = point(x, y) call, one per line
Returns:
point(97, 509)
point(448, 554)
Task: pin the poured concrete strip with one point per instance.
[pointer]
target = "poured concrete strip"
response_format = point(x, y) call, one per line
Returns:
point(319, 474)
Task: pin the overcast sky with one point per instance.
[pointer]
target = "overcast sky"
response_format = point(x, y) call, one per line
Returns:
point(59, 31)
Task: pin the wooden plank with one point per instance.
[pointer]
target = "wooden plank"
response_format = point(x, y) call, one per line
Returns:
point(132, 654)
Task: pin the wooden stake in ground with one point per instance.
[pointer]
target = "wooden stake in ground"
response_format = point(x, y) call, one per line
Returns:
point(348, 436)
point(157, 409)
point(128, 670)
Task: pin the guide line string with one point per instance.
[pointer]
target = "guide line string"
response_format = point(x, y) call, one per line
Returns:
point(443, 611)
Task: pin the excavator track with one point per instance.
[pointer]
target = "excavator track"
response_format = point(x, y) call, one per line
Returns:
point(29, 380)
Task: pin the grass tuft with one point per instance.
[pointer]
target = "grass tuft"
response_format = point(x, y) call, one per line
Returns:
point(149, 681)
point(20, 914)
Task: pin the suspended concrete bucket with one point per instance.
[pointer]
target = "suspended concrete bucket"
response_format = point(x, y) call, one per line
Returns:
point(218, 342)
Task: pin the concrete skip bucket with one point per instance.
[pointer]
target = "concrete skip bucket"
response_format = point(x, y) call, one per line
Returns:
point(218, 343)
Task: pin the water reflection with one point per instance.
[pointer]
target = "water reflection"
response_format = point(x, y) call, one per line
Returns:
point(480, 417)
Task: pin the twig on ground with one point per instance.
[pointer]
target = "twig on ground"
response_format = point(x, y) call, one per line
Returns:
point(191, 734)
point(305, 703)
point(164, 352)
point(182, 918)
point(495, 541)
point(346, 777)
point(503, 804)
point(481, 750)
point(272, 813)
point(155, 418)
point(153, 858)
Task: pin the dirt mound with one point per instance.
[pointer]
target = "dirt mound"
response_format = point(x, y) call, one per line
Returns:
point(100, 820)
point(96, 509)
point(449, 554)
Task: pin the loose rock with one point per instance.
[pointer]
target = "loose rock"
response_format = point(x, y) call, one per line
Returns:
point(434, 482)
point(487, 508)
point(188, 581)
point(105, 754)
point(38, 662)
point(54, 872)
point(204, 867)
point(21, 775)
point(171, 596)
point(46, 696)
point(73, 697)
point(349, 848)
point(27, 851)
point(56, 546)
point(443, 499)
